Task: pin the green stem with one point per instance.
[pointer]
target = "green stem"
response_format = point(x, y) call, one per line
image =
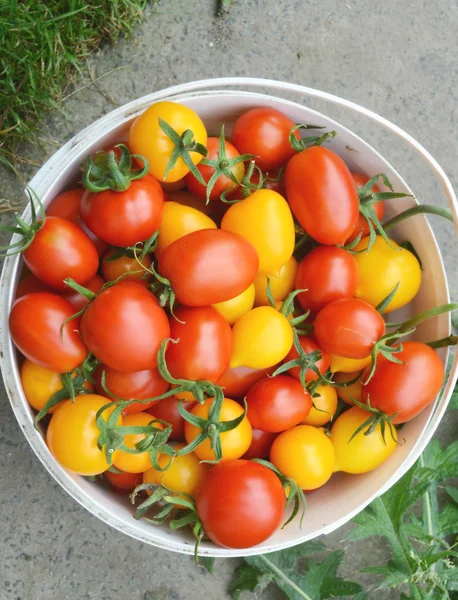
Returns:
point(426, 314)
point(430, 509)
point(428, 209)
point(451, 340)
point(284, 578)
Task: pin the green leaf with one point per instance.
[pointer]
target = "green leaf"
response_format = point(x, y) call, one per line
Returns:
point(339, 588)
point(453, 493)
point(246, 578)
point(448, 520)
point(393, 577)
point(208, 563)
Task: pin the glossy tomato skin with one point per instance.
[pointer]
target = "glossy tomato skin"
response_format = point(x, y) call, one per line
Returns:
point(124, 327)
point(261, 443)
point(204, 347)
point(77, 300)
point(362, 227)
point(348, 327)
point(209, 266)
point(123, 481)
point(137, 385)
point(234, 309)
point(309, 344)
point(237, 381)
point(240, 503)
point(167, 410)
point(327, 273)
point(30, 284)
point(324, 406)
point(322, 195)
point(135, 463)
point(60, 249)
point(264, 132)
point(125, 266)
point(125, 218)
point(407, 388)
point(280, 285)
point(277, 403)
point(35, 325)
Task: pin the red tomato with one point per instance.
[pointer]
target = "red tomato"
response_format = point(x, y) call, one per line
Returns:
point(36, 322)
point(236, 381)
point(408, 388)
point(60, 249)
point(273, 182)
point(264, 132)
point(137, 385)
point(124, 327)
point(322, 195)
point(261, 442)
point(112, 269)
point(125, 218)
point(240, 503)
point(278, 403)
point(205, 344)
point(327, 273)
point(349, 327)
point(167, 410)
point(30, 284)
point(124, 481)
point(309, 345)
point(79, 301)
point(209, 266)
point(362, 228)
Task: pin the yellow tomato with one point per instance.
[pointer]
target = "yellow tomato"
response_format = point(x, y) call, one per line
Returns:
point(261, 339)
point(235, 308)
point(364, 452)
point(179, 220)
point(40, 383)
point(135, 463)
point(305, 454)
point(348, 365)
point(265, 220)
point(148, 139)
point(281, 284)
point(382, 268)
point(73, 433)
point(324, 406)
point(173, 186)
point(350, 391)
point(234, 443)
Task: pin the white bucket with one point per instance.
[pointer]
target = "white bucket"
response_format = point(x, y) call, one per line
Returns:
point(345, 495)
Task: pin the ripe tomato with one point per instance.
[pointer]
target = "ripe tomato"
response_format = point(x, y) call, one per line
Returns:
point(234, 443)
point(179, 220)
point(135, 463)
point(280, 285)
point(137, 385)
point(265, 220)
point(351, 391)
point(148, 139)
point(36, 323)
point(305, 454)
point(123, 481)
point(77, 300)
point(327, 273)
point(381, 268)
point(237, 381)
point(362, 227)
point(30, 284)
point(173, 186)
point(125, 218)
point(264, 132)
point(60, 249)
point(204, 347)
point(309, 345)
point(73, 433)
point(405, 389)
point(322, 195)
point(240, 503)
point(364, 452)
point(324, 406)
point(124, 327)
point(348, 365)
point(261, 339)
point(349, 327)
point(209, 266)
point(185, 198)
point(273, 180)
point(261, 442)
point(112, 269)
point(223, 182)
point(236, 307)
point(277, 403)
point(40, 383)
point(167, 410)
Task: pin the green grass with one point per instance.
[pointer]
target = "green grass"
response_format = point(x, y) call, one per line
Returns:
point(43, 43)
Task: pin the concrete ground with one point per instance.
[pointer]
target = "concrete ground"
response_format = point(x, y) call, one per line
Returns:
point(396, 58)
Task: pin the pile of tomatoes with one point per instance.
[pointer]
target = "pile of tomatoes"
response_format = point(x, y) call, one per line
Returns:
point(203, 321)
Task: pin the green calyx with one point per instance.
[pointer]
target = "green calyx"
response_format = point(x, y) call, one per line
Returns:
point(183, 146)
point(304, 362)
point(307, 142)
point(105, 171)
point(376, 417)
point(26, 230)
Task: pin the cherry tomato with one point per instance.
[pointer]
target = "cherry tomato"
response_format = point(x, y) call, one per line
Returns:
point(147, 138)
point(123, 481)
point(173, 186)
point(277, 403)
point(351, 391)
point(37, 328)
point(324, 406)
point(348, 365)
point(30, 284)
point(60, 249)
point(125, 218)
point(322, 195)
point(73, 433)
point(77, 300)
point(349, 327)
point(234, 443)
point(280, 285)
point(237, 381)
point(265, 220)
point(309, 345)
point(273, 180)
point(261, 442)
point(124, 327)
point(135, 463)
point(138, 385)
point(167, 410)
point(209, 266)
point(305, 454)
point(264, 132)
point(240, 503)
point(124, 265)
point(364, 452)
point(185, 198)
point(236, 307)
point(408, 388)
point(383, 267)
point(327, 273)
point(362, 227)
